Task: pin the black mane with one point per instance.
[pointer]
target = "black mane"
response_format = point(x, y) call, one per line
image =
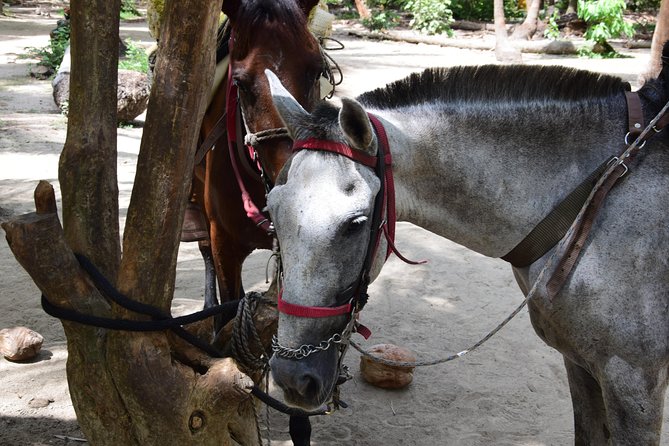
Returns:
point(493, 83)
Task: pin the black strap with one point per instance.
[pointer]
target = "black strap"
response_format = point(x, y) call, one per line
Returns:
point(300, 430)
point(162, 321)
point(555, 225)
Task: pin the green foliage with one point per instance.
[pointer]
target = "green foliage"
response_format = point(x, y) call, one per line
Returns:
point(51, 55)
point(601, 53)
point(482, 10)
point(431, 16)
point(472, 9)
point(643, 5)
point(387, 4)
point(135, 58)
point(129, 9)
point(552, 32)
point(383, 19)
point(604, 19)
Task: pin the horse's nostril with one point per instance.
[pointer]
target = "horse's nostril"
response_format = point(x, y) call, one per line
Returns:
point(308, 385)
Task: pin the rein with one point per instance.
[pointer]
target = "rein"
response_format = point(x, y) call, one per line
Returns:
point(161, 321)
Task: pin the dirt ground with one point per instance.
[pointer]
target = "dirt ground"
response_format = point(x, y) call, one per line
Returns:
point(513, 391)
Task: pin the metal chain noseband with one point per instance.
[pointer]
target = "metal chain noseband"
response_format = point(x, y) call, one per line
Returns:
point(342, 339)
point(306, 349)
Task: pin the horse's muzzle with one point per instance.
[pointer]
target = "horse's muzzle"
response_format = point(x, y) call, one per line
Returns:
point(306, 383)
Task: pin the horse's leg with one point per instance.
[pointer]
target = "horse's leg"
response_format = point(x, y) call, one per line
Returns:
point(228, 258)
point(210, 297)
point(634, 400)
point(589, 412)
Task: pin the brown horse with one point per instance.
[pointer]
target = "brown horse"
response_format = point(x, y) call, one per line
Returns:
point(262, 34)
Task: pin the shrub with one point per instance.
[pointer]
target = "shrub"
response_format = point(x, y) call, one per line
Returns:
point(604, 19)
point(135, 58)
point(431, 16)
point(51, 55)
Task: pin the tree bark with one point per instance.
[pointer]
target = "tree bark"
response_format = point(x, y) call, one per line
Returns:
point(87, 169)
point(132, 388)
point(660, 36)
point(526, 30)
point(363, 9)
point(504, 51)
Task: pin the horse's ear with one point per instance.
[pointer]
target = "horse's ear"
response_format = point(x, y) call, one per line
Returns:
point(230, 8)
point(307, 5)
point(289, 109)
point(356, 125)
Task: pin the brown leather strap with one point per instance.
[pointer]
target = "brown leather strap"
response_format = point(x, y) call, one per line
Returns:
point(216, 133)
point(635, 119)
point(579, 232)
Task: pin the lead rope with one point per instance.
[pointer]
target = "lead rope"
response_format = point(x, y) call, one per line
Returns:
point(563, 247)
point(245, 336)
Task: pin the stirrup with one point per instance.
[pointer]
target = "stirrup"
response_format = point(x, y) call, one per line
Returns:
point(194, 227)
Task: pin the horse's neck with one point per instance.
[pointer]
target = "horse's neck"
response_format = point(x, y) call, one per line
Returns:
point(485, 183)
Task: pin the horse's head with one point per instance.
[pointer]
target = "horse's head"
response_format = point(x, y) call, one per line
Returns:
point(322, 207)
point(270, 34)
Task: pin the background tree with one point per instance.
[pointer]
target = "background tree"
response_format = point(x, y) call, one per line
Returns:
point(529, 26)
point(660, 36)
point(504, 51)
point(363, 9)
point(132, 388)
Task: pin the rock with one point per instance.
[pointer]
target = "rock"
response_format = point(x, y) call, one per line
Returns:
point(39, 403)
point(387, 376)
point(40, 71)
point(132, 94)
point(20, 343)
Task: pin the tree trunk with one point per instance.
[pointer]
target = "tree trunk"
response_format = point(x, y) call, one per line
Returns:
point(363, 9)
point(132, 388)
point(526, 30)
point(504, 51)
point(660, 36)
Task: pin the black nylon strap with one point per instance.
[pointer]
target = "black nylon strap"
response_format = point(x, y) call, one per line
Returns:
point(161, 320)
point(555, 225)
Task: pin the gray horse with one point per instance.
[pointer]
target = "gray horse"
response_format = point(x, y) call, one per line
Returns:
point(480, 155)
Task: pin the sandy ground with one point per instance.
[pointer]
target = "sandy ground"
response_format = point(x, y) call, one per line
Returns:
point(513, 391)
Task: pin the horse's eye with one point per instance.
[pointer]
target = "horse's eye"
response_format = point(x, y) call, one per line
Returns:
point(355, 224)
point(241, 82)
point(239, 85)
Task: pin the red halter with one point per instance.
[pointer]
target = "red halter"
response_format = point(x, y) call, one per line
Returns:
point(352, 298)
